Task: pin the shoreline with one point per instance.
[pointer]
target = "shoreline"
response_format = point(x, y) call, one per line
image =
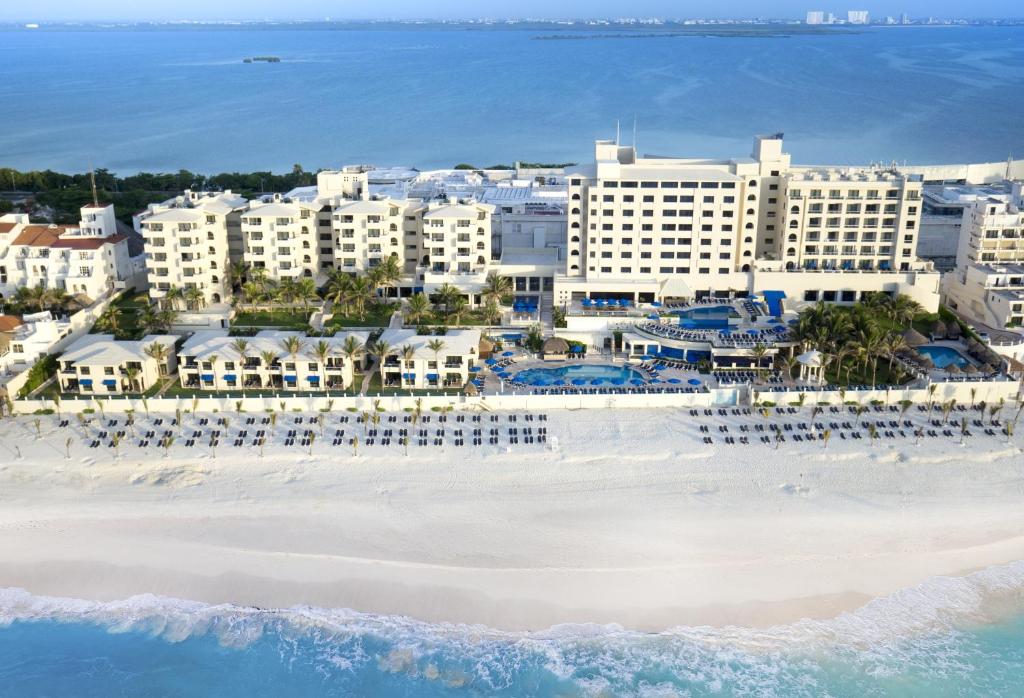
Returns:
point(630, 520)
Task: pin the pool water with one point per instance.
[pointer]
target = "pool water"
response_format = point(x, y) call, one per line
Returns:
point(715, 317)
point(586, 372)
point(943, 356)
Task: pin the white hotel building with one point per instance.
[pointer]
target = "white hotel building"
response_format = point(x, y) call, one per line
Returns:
point(654, 228)
point(188, 242)
point(988, 284)
point(91, 258)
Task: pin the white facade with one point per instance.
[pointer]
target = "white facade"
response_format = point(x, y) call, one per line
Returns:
point(858, 17)
point(424, 368)
point(367, 232)
point(90, 258)
point(187, 242)
point(815, 17)
point(32, 340)
point(211, 360)
point(281, 236)
point(653, 228)
point(98, 364)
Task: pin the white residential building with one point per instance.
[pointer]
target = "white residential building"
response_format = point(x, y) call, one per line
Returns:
point(98, 364)
point(29, 339)
point(367, 232)
point(815, 17)
point(188, 242)
point(282, 236)
point(858, 17)
point(212, 360)
point(413, 364)
point(90, 259)
point(988, 284)
point(456, 246)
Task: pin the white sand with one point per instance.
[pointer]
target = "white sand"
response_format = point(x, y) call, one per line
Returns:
point(629, 519)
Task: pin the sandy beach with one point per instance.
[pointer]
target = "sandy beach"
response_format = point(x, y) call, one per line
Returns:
point(623, 517)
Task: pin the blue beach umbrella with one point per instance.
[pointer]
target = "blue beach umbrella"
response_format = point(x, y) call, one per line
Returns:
point(579, 381)
point(636, 381)
point(693, 381)
point(656, 304)
point(753, 332)
point(474, 369)
point(618, 381)
point(674, 381)
point(491, 362)
point(508, 353)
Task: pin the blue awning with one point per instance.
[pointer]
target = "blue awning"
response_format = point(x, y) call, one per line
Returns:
point(290, 379)
point(230, 377)
point(432, 376)
point(85, 381)
point(313, 379)
point(207, 376)
point(109, 381)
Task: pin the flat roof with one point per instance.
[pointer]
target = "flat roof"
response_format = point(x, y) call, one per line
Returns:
point(458, 342)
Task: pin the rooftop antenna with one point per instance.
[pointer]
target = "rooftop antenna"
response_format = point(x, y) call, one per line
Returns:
point(616, 132)
point(92, 181)
point(634, 131)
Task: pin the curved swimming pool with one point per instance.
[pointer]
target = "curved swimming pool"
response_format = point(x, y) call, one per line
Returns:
point(578, 372)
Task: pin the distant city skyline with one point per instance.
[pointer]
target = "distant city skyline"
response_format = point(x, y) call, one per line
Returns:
point(101, 10)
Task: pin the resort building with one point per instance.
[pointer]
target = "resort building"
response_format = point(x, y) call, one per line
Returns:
point(420, 362)
point(101, 365)
point(654, 228)
point(188, 241)
point(987, 286)
point(367, 232)
point(943, 217)
point(23, 341)
point(89, 259)
point(271, 360)
point(456, 246)
point(281, 236)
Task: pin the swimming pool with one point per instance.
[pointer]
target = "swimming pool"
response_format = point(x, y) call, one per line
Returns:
point(715, 317)
point(578, 372)
point(943, 356)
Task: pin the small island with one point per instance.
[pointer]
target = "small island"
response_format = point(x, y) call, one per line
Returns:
point(262, 59)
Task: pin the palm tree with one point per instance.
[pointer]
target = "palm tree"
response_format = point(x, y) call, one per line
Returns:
point(134, 384)
point(241, 347)
point(237, 274)
point(446, 294)
point(903, 309)
point(159, 353)
point(408, 354)
point(110, 320)
point(322, 350)
point(292, 345)
point(497, 288)
point(417, 309)
point(173, 298)
point(491, 312)
point(825, 436)
point(873, 433)
point(387, 274)
point(437, 346)
point(456, 308)
point(269, 358)
point(381, 350)
point(195, 299)
point(305, 292)
point(931, 397)
point(252, 292)
point(758, 352)
point(352, 350)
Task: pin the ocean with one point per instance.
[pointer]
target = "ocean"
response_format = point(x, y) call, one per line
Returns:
point(430, 97)
point(948, 637)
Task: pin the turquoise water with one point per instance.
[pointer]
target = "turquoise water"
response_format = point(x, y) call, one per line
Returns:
point(934, 640)
point(943, 356)
point(587, 372)
point(163, 100)
point(711, 318)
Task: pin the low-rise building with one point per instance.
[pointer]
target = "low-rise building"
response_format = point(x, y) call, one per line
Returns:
point(91, 258)
point(271, 360)
point(98, 364)
point(23, 341)
point(421, 362)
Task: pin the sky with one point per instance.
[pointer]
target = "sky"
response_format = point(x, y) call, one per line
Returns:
point(82, 10)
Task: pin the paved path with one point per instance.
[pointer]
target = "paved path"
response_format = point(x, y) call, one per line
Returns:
point(368, 376)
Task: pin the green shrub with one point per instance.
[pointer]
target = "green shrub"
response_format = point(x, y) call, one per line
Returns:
point(42, 370)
